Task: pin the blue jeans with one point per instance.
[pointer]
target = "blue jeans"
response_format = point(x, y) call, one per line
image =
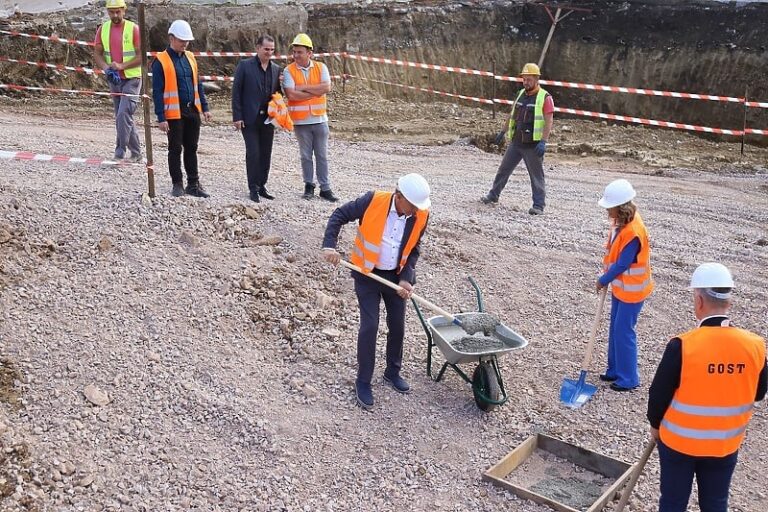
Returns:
point(713, 477)
point(622, 343)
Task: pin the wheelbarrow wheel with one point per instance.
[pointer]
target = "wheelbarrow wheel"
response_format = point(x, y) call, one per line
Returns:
point(485, 385)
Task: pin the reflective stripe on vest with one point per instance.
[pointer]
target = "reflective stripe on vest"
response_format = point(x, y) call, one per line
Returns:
point(636, 283)
point(129, 48)
point(538, 115)
point(301, 109)
point(370, 232)
point(171, 105)
point(713, 404)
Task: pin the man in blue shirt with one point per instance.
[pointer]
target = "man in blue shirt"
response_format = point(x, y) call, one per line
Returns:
point(179, 101)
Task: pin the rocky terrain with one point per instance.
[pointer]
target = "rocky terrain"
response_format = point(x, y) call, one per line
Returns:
point(182, 354)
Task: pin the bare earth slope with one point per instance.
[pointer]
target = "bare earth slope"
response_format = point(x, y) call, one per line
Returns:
point(227, 350)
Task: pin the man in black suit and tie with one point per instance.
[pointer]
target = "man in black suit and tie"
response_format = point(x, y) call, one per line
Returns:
point(256, 79)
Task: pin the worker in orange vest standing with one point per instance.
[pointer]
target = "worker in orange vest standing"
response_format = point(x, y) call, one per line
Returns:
point(117, 52)
point(702, 397)
point(387, 243)
point(179, 101)
point(627, 268)
point(306, 83)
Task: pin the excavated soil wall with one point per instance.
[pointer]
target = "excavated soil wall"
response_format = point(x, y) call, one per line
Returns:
point(699, 47)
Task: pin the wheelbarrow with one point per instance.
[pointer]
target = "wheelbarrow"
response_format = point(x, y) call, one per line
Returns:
point(487, 384)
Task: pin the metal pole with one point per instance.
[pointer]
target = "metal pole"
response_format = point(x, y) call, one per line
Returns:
point(744, 128)
point(493, 87)
point(549, 36)
point(145, 101)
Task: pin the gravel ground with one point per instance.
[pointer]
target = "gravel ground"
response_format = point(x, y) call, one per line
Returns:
point(196, 354)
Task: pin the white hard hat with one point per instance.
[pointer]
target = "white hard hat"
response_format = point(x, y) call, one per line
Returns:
point(711, 275)
point(415, 189)
point(181, 30)
point(617, 193)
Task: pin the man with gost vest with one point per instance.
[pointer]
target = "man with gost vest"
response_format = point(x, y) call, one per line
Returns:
point(117, 51)
point(702, 397)
point(179, 100)
point(386, 244)
point(530, 124)
point(306, 83)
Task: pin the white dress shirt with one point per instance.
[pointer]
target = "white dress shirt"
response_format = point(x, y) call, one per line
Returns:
point(391, 240)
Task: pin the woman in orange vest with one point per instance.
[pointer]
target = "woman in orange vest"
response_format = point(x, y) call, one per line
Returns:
point(702, 396)
point(387, 244)
point(627, 268)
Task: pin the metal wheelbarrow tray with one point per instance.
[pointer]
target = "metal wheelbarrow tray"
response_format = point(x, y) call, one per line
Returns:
point(487, 384)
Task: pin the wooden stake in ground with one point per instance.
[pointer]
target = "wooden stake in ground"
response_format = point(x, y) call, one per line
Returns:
point(145, 101)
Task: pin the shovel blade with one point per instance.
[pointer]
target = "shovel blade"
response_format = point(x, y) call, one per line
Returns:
point(575, 393)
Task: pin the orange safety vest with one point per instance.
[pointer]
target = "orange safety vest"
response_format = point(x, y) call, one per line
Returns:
point(718, 381)
point(634, 284)
point(371, 230)
point(171, 104)
point(300, 109)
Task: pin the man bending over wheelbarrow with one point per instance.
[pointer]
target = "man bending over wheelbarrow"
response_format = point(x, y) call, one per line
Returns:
point(386, 244)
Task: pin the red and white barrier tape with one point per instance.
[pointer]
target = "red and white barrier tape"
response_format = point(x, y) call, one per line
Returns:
point(651, 122)
point(70, 91)
point(39, 157)
point(646, 92)
point(758, 104)
point(449, 69)
point(55, 39)
point(251, 54)
point(422, 89)
point(60, 67)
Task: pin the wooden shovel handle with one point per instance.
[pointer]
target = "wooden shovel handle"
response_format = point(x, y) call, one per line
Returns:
point(424, 302)
point(635, 475)
point(595, 326)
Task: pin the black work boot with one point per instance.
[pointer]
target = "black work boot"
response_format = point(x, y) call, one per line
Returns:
point(309, 191)
point(254, 196)
point(265, 194)
point(177, 190)
point(328, 195)
point(195, 189)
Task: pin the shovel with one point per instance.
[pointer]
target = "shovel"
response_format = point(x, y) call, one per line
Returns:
point(575, 393)
point(424, 302)
point(635, 475)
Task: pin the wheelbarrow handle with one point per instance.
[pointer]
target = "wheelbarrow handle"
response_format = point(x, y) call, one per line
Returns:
point(424, 302)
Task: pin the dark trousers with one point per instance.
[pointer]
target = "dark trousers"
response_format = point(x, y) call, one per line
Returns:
point(258, 152)
point(713, 477)
point(183, 134)
point(369, 296)
point(533, 162)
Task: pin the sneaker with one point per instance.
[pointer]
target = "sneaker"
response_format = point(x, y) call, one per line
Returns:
point(195, 189)
point(616, 387)
point(265, 194)
point(254, 196)
point(398, 383)
point(136, 159)
point(364, 395)
point(328, 195)
point(309, 191)
point(177, 190)
point(535, 210)
point(488, 200)
point(119, 155)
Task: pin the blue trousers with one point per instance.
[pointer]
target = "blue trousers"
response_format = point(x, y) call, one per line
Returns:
point(369, 297)
point(622, 343)
point(713, 476)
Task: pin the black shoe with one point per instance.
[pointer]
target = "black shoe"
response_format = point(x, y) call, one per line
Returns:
point(195, 189)
point(535, 210)
point(309, 191)
point(177, 190)
point(254, 196)
point(606, 378)
point(616, 387)
point(364, 395)
point(398, 383)
point(488, 200)
point(265, 194)
point(328, 195)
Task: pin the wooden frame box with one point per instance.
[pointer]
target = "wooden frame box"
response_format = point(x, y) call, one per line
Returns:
point(609, 467)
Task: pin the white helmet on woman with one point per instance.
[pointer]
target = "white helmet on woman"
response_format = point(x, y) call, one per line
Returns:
point(617, 193)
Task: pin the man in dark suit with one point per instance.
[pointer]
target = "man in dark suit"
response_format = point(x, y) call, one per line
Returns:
point(256, 79)
point(387, 244)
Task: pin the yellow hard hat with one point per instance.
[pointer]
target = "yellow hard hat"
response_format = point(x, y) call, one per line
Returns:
point(115, 4)
point(531, 69)
point(302, 40)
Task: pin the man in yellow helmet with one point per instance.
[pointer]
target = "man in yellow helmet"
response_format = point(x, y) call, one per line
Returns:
point(530, 124)
point(117, 52)
point(306, 83)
